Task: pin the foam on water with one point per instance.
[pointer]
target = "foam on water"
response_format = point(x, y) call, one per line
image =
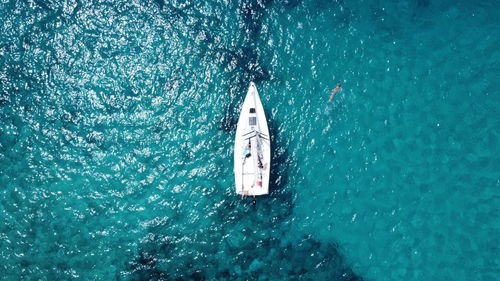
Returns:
point(117, 120)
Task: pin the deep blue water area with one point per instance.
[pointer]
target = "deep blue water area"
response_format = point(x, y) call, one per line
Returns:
point(117, 121)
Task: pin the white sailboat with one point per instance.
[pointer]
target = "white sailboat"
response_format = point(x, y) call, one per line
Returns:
point(252, 147)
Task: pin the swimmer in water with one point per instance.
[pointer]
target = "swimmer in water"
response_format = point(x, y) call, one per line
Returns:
point(334, 91)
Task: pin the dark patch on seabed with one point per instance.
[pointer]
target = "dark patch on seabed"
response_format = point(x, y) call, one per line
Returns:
point(253, 255)
point(423, 3)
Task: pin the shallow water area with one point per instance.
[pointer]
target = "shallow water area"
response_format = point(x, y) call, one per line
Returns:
point(117, 121)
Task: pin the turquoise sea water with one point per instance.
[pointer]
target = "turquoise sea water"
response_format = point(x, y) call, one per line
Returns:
point(117, 120)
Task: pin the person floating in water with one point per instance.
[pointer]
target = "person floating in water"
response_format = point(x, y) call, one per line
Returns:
point(334, 91)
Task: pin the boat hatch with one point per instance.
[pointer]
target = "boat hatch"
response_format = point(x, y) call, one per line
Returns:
point(252, 110)
point(252, 121)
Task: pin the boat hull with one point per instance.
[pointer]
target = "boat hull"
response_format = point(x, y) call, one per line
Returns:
point(252, 147)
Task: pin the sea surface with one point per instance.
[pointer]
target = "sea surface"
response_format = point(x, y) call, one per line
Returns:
point(117, 121)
